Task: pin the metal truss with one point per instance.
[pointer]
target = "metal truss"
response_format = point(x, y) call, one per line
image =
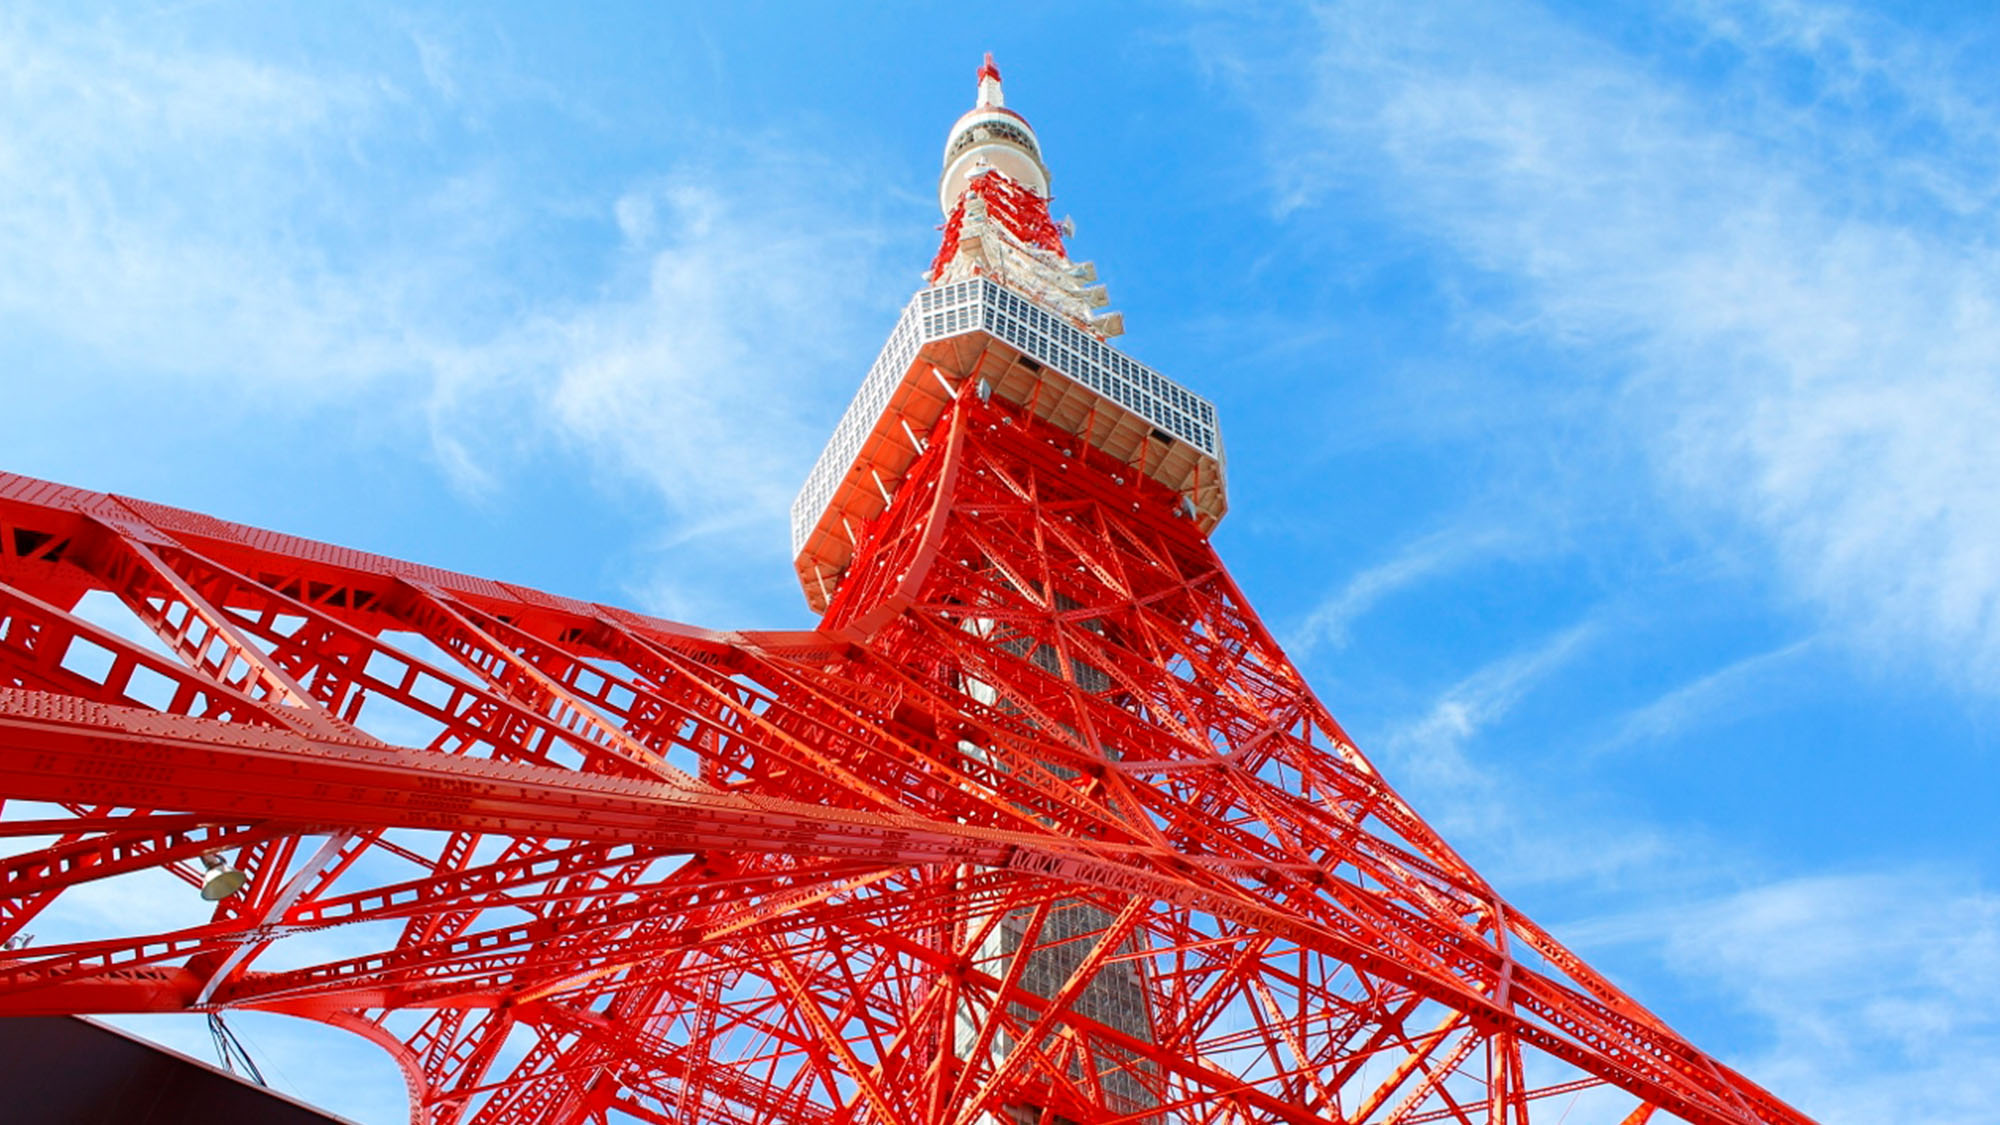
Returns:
point(1040, 824)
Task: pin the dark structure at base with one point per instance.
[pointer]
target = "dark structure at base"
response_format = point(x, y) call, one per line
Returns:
point(58, 1070)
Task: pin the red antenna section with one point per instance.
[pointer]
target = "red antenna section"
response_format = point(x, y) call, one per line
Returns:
point(1020, 213)
point(1039, 825)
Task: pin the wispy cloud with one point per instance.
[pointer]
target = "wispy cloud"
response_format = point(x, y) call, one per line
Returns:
point(1489, 796)
point(1881, 990)
point(1431, 556)
point(1725, 691)
point(704, 380)
point(1433, 745)
point(154, 191)
point(742, 302)
point(1792, 286)
point(190, 213)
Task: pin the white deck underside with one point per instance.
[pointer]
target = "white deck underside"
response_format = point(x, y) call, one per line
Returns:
point(949, 333)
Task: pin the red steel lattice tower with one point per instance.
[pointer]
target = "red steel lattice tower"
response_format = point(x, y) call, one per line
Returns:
point(1039, 824)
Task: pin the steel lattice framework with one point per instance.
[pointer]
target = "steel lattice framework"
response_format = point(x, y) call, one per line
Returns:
point(1038, 824)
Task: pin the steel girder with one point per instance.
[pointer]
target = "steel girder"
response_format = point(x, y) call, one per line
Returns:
point(1040, 761)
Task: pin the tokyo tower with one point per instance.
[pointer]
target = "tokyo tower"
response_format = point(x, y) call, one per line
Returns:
point(1038, 825)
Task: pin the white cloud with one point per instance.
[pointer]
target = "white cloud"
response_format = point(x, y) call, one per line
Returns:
point(1433, 746)
point(706, 381)
point(154, 198)
point(196, 215)
point(1730, 691)
point(1795, 293)
point(1880, 989)
point(1530, 812)
point(747, 298)
point(1491, 802)
point(1431, 556)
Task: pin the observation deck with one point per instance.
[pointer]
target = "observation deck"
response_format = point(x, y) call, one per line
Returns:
point(1028, 355)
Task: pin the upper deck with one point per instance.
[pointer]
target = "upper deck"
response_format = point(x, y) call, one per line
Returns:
point(1028, 355)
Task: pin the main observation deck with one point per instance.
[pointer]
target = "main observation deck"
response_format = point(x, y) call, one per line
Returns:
point(981, 329)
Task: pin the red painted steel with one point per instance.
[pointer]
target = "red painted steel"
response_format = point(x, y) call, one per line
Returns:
point(1024, 214)
point(588, 865)
point(1039, 824)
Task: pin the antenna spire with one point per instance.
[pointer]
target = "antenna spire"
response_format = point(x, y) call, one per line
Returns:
point(989, 84)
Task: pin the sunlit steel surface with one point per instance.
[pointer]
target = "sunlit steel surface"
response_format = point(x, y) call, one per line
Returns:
point(1039, 823)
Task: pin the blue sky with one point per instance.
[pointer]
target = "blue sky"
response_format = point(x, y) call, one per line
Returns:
point(1609, 392)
